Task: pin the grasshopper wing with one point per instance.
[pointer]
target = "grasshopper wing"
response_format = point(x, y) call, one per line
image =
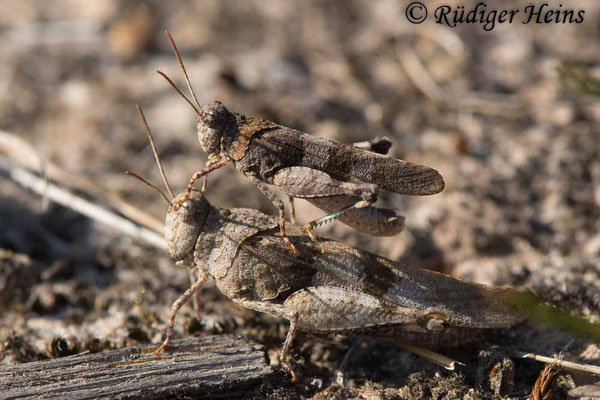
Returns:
point(461, 303)
point(350, 163)
point(330, 309)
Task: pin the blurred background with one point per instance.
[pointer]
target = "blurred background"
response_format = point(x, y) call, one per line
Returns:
point(509, 117)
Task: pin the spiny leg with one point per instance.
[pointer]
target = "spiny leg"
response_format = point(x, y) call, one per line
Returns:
point(372, 220)
point(210, 166)
point(277, 203)
point(331, 217)
point(202, 276)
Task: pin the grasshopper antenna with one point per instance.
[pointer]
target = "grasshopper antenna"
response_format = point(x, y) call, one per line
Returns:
point(198, 110)
point(187, 79)
point(149, 184)
point(160, 167)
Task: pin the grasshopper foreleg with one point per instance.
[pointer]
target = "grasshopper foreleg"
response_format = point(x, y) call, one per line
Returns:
point(211, 166)
point(202, 276)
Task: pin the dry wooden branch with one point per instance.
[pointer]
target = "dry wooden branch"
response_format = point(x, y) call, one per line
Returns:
point(217, 365)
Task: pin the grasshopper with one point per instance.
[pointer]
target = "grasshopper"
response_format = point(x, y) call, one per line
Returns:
point(344, 290)
point(304, 166)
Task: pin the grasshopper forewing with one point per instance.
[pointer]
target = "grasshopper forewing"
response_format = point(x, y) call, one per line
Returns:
point(305, 166)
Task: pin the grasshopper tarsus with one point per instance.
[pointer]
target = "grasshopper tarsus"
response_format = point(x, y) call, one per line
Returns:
point(287, 368)
point(177, 304)
point(289, 243)
point(163, 347)
point(314, 239)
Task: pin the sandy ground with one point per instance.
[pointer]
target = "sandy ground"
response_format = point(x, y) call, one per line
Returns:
point(505, 116)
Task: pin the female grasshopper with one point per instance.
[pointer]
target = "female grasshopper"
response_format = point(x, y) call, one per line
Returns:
point(344, 290)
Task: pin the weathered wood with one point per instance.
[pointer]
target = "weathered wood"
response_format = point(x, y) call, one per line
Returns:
point(217, 365)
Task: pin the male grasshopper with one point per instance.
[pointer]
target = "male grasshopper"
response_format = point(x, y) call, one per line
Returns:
point(304, 166)
point(344, 290)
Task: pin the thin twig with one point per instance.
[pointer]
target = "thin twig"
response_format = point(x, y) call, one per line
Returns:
point(26, 155)
point(420, 77)
point(33, 182)
point(56, 33)
point(593, 369)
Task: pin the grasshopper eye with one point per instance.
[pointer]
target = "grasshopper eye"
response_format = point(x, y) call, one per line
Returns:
point(215, 115)
point(210, 120)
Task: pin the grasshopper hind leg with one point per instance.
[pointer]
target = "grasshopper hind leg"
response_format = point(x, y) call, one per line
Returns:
point(280, 310)
point(311, 184)
point(329, 218)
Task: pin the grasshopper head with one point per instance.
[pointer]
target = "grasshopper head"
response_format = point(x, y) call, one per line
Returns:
point(183, 226)
point(212, 125)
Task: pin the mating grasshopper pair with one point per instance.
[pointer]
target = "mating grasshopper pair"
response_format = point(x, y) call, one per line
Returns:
point(323, 286)
point(342, 179)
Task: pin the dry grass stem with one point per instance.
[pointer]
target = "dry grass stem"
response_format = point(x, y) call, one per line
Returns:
point(574, 366)
point(544, 384)
point(26, 155)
